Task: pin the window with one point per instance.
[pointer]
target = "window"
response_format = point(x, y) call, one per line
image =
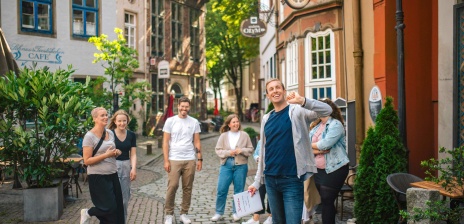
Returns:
point(292, 64)
point(272, 68)
point(36, 16)
point(85, 18)
point(158, 86)
point(129, 29)
point(320, 66)
point(195, 35)
point(157, 28)
point(176, 30)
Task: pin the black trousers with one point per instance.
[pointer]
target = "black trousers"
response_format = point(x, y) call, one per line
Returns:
point(106, 195)
point(329, 186)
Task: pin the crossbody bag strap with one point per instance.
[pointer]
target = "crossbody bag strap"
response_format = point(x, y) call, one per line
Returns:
point(95, 150)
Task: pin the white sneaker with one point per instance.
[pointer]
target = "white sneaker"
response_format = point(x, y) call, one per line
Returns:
point(251, 221)
point(168, 219)
point(217, 217)
point(185, 219)
point(268, 220)
point(235, 217)
point(85, 217)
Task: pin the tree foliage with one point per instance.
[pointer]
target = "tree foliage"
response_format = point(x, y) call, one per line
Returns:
point(120, 62)
point(227, 50)
point(382, 154)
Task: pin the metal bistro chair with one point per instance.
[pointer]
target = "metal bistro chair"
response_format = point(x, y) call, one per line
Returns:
point(346, 193)
point(399, 183)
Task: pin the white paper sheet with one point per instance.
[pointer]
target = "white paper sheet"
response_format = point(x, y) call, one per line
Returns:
point(246, 205)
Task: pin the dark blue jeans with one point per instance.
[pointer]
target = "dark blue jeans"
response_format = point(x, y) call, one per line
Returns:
point(285, 194)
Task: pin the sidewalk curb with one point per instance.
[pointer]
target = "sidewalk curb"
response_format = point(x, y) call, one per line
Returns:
point(160, 154)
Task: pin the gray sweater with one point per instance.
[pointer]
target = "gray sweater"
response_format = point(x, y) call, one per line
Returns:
point(301, 118)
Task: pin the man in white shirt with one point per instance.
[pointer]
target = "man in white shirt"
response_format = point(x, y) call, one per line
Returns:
point(182, 153)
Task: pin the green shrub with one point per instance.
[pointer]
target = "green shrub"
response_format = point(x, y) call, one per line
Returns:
point(269, 108)
point(42, 114)
point(251, 132)
point(382, 153)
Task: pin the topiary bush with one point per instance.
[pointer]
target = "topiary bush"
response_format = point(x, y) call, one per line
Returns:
point(382, 153)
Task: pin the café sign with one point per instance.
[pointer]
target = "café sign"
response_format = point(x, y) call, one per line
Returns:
point(253, 27)
point(38, 53)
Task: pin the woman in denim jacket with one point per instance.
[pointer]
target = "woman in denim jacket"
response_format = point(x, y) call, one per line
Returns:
point(329, 147)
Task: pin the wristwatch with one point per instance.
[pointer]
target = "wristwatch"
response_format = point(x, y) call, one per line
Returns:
point(200, 159)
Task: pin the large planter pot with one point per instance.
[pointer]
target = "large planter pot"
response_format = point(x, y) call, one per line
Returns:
point(43, 204)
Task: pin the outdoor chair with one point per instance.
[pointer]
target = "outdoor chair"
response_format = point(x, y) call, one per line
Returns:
point(346, 193)
point(399, 183)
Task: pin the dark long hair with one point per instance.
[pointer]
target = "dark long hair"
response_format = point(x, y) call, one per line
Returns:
point(225, 127)
point(336, 113)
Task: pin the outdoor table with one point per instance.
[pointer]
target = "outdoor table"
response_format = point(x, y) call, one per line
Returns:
point(70, 159)
point(73, 179)
point(455, 193)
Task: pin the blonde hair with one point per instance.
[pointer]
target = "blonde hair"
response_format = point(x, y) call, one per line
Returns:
point(225, 127)
point(94, 112)
point(112, 124)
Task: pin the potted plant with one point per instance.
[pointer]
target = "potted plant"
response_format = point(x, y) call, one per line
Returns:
point(451, 177)
point(42, 112)
point(253, 134)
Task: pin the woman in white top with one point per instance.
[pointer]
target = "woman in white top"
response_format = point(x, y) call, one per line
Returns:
point(233, 148)
point(104, 187)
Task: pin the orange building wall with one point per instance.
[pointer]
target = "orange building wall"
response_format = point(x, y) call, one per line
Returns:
point(385, 69)
point(421, 71)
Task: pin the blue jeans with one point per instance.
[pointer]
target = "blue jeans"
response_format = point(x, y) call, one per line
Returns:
point(229, 172)
point(285, 194)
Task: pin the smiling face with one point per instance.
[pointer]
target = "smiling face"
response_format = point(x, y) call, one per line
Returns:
point(121, 121)
point(101, 117)
point(184, 108)
point(275, 91)
point(234, 124)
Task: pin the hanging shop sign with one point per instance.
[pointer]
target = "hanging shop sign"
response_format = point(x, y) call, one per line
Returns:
point(297, 4)
point(253, 27)
point(163, 69)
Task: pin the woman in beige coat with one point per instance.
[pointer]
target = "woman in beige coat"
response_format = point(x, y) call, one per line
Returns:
point(233, 148)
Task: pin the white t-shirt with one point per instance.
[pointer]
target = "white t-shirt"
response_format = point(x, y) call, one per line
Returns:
point(181, 143)
point(233, 138)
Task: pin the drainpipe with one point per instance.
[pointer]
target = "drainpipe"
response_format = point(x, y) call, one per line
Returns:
point(358, 74)
point(401, 88)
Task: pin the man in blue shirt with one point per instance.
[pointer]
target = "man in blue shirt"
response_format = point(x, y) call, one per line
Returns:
point(287, 160)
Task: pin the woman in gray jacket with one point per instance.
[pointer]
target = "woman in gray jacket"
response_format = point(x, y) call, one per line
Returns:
point(233, 148)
